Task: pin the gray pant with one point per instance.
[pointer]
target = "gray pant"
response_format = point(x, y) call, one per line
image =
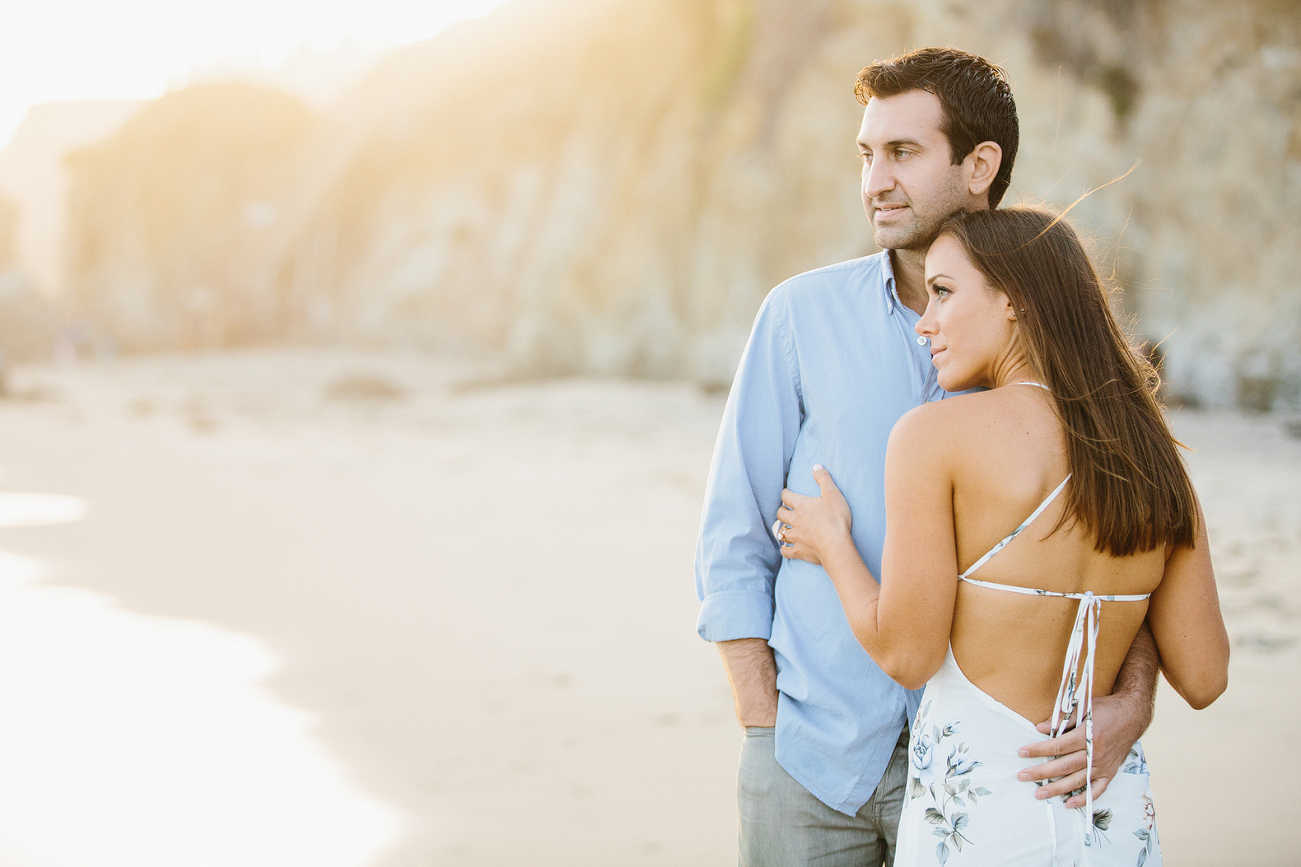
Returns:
point(783, 825)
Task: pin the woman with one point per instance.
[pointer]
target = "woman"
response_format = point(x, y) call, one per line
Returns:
point(1070, 435)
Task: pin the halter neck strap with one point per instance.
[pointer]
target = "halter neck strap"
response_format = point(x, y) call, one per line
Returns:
point(1012, 535)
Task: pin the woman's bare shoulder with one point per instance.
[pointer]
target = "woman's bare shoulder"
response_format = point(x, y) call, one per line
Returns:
point(929, 431)
point(956, 424)
point(958, 409)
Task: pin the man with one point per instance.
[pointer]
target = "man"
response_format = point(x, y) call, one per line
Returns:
point(831, 365)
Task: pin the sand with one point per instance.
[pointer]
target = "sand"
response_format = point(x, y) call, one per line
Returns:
point(319, 607)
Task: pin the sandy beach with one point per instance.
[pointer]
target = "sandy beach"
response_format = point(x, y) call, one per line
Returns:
point(372, 609)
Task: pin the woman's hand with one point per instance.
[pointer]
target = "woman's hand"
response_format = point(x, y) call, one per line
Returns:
point(815, 526)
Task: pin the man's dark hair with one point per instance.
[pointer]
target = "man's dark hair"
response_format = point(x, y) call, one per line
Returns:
point(973, 93)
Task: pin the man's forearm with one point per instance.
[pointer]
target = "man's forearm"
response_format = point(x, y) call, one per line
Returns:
point(753, 675)
point(1136, 680)
point(1119, 719)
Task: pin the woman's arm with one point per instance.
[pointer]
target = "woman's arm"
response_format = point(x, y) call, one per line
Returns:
point(903, 624)
point(1186, 622)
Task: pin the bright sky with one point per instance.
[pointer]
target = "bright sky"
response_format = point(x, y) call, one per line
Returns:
point(59, 50)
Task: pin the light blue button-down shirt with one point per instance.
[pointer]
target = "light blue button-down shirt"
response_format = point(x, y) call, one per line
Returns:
point(831, 365)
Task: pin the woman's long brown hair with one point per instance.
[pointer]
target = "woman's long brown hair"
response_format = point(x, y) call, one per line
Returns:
point(1129, 486)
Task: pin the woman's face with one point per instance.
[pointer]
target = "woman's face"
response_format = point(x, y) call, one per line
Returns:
point(970, 324)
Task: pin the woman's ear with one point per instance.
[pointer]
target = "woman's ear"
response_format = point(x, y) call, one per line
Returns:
point(1008, 307)
point(985, 161)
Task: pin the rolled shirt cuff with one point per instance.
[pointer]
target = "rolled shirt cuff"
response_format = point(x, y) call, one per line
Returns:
point(731, 614)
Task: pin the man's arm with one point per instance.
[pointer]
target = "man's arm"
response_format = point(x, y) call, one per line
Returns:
point(736, 556)
point(1118, 721)
point(753, 675)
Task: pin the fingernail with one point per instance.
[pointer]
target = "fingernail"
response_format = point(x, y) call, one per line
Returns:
point(1023, 753)
point(817, 467)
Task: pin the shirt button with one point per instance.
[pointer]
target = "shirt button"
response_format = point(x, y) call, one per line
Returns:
point(921, 341)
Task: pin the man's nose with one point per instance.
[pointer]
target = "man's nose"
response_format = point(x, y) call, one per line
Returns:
point(877, 178)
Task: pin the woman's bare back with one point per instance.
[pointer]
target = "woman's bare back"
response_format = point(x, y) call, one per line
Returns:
point(1010, 457)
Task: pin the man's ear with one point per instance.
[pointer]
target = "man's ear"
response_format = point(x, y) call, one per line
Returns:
point(985, 160)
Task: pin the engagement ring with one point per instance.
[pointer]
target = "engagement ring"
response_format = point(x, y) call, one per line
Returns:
point(779, 530)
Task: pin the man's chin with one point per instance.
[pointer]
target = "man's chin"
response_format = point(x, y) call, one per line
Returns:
point(902, 238)
point(892, 239)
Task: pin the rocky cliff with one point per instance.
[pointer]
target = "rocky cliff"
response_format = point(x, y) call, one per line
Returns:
point(170, 218)
point(613, 185)
point(27, 321)
point(32, 174)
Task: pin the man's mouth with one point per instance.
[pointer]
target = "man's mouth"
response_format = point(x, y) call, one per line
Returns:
point(888, 210)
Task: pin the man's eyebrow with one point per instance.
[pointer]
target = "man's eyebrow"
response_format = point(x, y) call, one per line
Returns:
point(899, 142)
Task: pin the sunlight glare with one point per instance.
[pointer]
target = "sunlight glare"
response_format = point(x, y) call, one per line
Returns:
point(148, 742)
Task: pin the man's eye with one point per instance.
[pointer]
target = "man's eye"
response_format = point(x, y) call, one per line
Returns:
point(902, 155)
point(865, 156)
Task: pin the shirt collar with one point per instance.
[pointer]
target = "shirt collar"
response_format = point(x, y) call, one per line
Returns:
point(887, 269)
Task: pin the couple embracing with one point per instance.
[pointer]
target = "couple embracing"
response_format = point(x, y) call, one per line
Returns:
point(947, 540)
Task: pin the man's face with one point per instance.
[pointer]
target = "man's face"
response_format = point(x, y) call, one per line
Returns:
point(909, 181)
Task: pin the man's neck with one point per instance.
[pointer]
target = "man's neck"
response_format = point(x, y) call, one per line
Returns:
point(910, 278)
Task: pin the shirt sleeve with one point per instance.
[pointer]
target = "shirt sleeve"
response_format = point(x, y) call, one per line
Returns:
point(736, 554)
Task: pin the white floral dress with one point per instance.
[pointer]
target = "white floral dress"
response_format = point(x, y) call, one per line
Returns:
point(964, 804)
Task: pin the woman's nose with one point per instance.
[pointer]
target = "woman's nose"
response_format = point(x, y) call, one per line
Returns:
point(926, 325)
